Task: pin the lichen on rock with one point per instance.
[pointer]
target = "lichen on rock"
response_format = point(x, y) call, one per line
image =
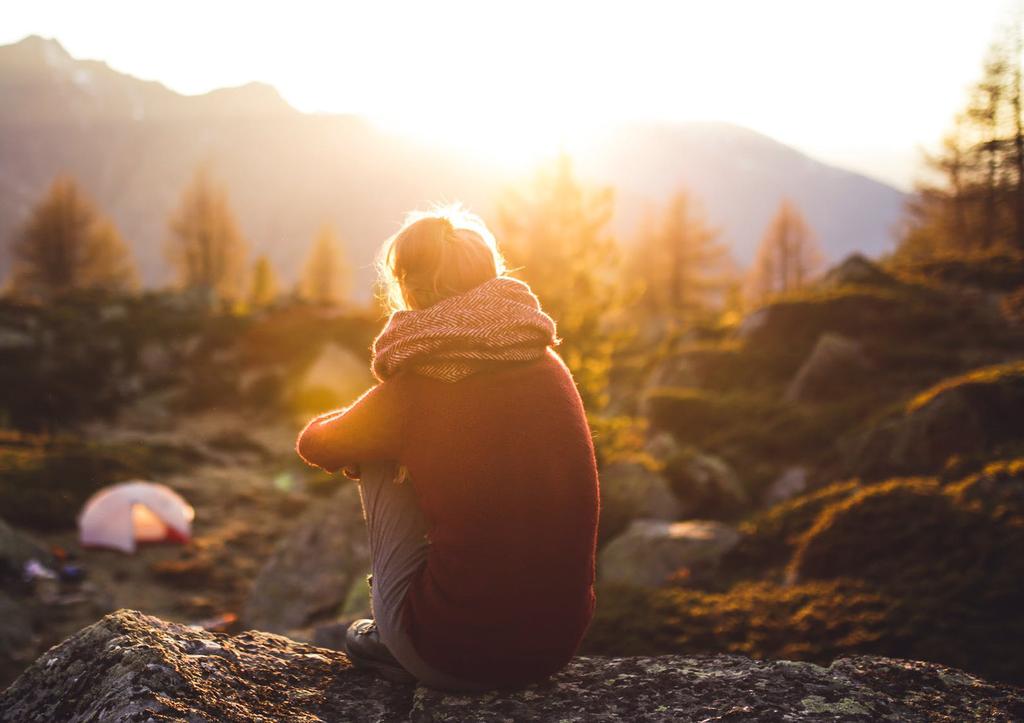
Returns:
point(134, 667)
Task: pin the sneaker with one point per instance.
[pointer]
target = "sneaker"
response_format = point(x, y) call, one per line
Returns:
point(365, 650)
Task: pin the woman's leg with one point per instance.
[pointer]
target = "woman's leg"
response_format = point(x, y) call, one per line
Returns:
point(398, 549)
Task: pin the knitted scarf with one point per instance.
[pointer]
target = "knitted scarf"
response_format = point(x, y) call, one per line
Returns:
point(498, 321)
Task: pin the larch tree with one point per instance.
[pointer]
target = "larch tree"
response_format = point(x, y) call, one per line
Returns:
point(326, 277)
point(683, 266)
point(973, 197)
point(264, 287)
point(68, 245)
point(788, 257)
point(205, 245)
point(554, 234)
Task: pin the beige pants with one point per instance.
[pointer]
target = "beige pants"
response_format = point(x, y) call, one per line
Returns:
point(398, 549)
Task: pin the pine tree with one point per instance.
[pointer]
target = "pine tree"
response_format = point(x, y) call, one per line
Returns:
point(326, 278)
point(788, 256)
point(205, 244)
point(974, 201)
point(683, 266)
point(265, 287)
point(554, 235)
point(67, 245)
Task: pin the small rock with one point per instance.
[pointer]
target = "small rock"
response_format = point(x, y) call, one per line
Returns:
point(705, 485)
point(857, 270)
point(630, 491)
point(312, 570)
point(789, 484)
point(337, 375)
point(13, 339)
point(835, 368)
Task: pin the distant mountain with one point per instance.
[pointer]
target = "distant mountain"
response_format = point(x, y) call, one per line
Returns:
point(134, 144)
point(741, 176)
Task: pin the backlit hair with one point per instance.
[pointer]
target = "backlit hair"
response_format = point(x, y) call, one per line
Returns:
point(436, 254)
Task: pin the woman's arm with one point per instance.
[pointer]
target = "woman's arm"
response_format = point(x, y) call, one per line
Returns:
point(369, 429)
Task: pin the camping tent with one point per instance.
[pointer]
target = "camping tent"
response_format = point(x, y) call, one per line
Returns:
point(123, 514)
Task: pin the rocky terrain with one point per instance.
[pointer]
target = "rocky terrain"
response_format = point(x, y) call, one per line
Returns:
point(841, 474)
point(134, 667)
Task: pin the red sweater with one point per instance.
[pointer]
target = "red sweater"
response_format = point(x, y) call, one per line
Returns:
point(503, 466)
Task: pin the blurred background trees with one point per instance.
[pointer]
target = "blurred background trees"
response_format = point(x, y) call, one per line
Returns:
point(264, 287)
point(68, 245)
point(205, 245)
point(788, 257)
point(973, 199)
point(326, 276)
point(684, 268)
point(555, 236)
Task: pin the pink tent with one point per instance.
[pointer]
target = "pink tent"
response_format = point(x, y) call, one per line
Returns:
point(123, 514)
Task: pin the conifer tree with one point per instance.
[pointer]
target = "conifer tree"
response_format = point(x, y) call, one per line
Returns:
point(788, 256)
point(205, 245)
point(326, 278)
point(973, 200)
point(683, 266)
point(264, 287)
point(554, 234)
point(67, 245)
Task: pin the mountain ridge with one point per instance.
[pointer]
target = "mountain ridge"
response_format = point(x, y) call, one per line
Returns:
point(134, 143)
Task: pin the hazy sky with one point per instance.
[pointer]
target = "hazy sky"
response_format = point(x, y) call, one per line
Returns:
point(862, 84)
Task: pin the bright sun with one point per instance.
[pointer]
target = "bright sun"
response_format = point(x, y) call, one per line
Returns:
point(515, 141)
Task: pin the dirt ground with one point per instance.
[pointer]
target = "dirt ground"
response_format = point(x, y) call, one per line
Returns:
point(245, 499)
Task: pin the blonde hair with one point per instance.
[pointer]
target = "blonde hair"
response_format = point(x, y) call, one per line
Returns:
point(436, 254)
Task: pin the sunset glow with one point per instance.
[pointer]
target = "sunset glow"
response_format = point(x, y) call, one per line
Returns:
point(515, 81)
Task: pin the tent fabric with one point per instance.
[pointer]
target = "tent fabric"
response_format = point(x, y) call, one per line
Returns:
point(121, 515)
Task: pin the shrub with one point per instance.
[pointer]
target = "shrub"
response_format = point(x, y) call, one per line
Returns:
point(898, 530)
point(955, 555)
point(998, 488)
point(771, 535)
point(815, 621)
point(45, 481)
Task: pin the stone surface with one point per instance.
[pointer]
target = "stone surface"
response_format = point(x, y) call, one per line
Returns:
point(16, 549)
point(133, 667)
point(643, 492)
point(17, 638)
point(312, 570)
point(649, 552)
point(857, 270)
point(338, 373)
point(705, 485)
point(975, 414)
point(789, 484)
point(834, 368)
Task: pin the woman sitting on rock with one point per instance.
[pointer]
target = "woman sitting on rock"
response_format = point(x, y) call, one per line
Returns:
point(476, 471)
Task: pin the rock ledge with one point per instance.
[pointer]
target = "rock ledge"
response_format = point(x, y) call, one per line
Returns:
point(134, 667)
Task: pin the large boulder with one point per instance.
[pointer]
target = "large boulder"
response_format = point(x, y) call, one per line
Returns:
point(651, 552)
point(790, 483)
point(705, 485)
point(973, 415)
point(313, 569)
point(858, 270)
point(18, 642)
point(916, 534)
point(835, 368)
point(133, 667)
point(16, 550)
point(631, 490)
point(336, 377)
